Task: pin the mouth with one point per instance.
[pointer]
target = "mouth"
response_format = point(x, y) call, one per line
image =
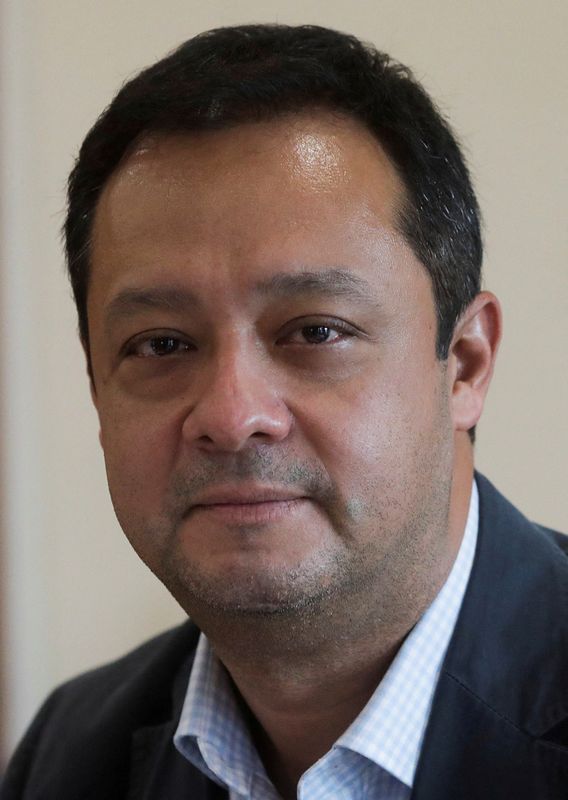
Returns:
point(248, 505)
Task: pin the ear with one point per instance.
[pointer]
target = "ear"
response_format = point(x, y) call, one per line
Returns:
point(92, 386)
point(472, 357)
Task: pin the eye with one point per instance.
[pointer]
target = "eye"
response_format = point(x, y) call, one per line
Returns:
point(158, 346)
point(318, 334)
point(328, 333)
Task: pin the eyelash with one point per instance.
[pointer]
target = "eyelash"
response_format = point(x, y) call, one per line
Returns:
point(182, 345)
point(343, 329)
point(133, 347)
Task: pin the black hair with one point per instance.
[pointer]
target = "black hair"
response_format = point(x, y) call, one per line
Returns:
point(233, 75)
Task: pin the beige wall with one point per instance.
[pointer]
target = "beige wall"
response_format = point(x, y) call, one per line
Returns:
point(75, 594)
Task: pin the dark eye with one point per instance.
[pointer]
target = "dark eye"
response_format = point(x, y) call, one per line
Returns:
point(318, 334)
point(163, 345)
point(157, 346)
point(333, 332)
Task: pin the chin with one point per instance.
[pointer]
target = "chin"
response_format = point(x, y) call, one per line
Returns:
point(241, 590)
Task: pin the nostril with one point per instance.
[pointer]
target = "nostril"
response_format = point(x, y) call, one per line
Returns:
point(215, 428)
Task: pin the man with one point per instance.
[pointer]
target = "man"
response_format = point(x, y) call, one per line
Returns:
point(275, 252)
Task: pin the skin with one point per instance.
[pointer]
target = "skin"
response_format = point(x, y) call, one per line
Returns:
point(283, 448)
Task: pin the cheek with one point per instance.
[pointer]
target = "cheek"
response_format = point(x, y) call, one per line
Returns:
point(140, 448)
point(381, 438)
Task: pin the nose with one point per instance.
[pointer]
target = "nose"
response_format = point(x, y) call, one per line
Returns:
point(238, 404)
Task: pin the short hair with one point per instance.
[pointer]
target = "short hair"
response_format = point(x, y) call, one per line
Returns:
point(248, 73)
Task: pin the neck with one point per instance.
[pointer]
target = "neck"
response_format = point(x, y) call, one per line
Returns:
point(301, 699)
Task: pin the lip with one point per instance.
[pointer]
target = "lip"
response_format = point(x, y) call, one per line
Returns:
point(246, 495)
point(248, 504)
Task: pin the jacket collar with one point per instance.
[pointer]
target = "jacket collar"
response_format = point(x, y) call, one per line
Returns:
point(510, 646)
point(158, 771)
point(497, 725)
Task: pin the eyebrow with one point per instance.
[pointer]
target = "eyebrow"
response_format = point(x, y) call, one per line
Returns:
point(130, 301)
point(331, 282)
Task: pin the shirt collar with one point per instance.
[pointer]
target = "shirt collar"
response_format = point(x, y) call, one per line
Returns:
point(212, 733)
point(390, 729)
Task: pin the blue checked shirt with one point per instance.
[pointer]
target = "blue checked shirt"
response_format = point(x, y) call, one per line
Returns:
point(377, 755)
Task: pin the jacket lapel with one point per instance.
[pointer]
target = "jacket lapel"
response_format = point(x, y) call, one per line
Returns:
point(498, 724)
point(471, 752)
point(158, 771)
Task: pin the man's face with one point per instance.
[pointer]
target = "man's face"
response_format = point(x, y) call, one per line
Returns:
point(274, 420)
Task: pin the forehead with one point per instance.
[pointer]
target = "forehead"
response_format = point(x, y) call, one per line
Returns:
point(322, 148)
point(291, 194)
point(312, 156)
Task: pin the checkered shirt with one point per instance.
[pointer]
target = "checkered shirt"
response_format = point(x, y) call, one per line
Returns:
point(377, 755)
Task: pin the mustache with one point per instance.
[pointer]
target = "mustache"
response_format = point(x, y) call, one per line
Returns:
point(263, 467)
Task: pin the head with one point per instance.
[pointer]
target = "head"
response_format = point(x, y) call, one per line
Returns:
point(230, 76)
point(275, 252)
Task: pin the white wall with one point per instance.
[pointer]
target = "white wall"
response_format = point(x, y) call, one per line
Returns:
point(75, 595)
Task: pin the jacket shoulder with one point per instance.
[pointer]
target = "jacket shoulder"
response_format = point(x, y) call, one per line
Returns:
point(85, 726)
point(146, 664)
point(559, 539)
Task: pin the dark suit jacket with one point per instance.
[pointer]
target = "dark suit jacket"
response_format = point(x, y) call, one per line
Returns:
point(498, 728)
